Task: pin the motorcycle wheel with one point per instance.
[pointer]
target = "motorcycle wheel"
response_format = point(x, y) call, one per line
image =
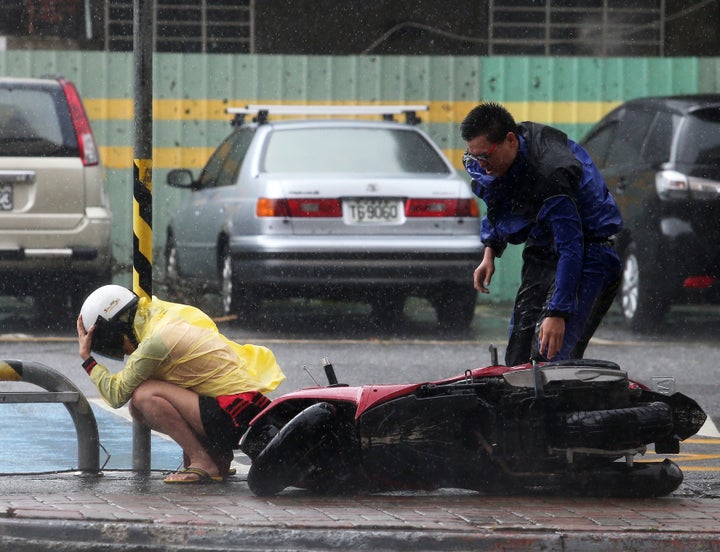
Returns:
point(618, 480)
point(305, 443)
point(615, 429)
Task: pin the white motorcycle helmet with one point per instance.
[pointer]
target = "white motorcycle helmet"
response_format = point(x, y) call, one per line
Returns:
point(111, 309)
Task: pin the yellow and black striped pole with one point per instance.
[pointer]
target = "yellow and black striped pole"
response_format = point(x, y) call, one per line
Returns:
point(142, 185)
point(142, 227)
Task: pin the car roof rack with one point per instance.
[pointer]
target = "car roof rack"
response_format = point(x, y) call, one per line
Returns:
point(262, 111)
point(238, 114)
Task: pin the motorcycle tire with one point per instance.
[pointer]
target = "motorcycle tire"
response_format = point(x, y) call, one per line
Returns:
point(297, 447)
point(614, 429)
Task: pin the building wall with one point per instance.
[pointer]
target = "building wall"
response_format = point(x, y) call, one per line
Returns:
point(191, 92)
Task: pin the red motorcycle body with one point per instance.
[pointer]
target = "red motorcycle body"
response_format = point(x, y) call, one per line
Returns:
point(572, 426)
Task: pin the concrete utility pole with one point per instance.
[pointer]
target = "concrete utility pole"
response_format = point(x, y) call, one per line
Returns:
point(142, 185)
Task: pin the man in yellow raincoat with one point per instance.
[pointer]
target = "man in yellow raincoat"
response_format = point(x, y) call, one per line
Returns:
point(182, 376)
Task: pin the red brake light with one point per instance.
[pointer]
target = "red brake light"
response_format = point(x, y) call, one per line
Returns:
point(441, 208)
point(315, 208)
point(300, 208)
point(81, 124)
point(698, 282)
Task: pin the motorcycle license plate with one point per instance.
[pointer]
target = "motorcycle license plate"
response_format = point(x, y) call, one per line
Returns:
point(373, 211)
point(6, 197)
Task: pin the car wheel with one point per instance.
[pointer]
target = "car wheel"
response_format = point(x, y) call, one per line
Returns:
point(455, 307)
point(229, 292)
point(234, 297)
point(642, 306)
point(172, 270)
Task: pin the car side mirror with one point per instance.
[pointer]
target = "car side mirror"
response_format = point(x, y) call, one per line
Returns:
point(180, 178)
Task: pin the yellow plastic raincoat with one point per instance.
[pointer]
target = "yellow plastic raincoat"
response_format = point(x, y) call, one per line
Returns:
point(180, 344)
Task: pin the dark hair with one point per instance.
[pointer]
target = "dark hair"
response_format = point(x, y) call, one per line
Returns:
point(488, 119)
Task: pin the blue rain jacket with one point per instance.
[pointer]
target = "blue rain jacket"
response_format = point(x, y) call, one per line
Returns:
point(552, 196)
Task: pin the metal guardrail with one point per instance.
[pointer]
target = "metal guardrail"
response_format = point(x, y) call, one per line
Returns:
point(58, 389)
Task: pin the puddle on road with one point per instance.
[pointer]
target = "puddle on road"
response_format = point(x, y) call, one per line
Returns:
point(42, 438)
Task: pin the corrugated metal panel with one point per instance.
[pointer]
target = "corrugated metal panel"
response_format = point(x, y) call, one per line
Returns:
point(191, 92)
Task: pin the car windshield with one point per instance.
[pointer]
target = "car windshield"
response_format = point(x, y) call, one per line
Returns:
point(351, 150)
point(701, 145)
point(30, 125)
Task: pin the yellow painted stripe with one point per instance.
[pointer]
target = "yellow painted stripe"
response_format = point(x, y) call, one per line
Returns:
point(109, 109)
point(136, 287)
point(144, 233)
point(439, 111)
point(7, 373)
point(145, 172)
point(121, 157)
point(703, 441)
point(545, 112)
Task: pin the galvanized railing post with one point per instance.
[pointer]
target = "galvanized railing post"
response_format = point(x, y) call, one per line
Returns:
point(58, 388)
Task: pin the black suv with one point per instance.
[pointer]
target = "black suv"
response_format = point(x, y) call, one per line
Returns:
point(661, 160)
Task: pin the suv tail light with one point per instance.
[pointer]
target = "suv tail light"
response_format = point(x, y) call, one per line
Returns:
point(698, 282)
point(675, 185)
point(441, 208)
point(299, 208)
point(81, 124)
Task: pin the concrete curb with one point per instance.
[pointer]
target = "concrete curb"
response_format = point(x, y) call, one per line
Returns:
point(66, 536)
point(61, 536)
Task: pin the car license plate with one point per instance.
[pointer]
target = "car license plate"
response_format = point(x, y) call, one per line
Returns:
point(6, 197)
point(373, 211)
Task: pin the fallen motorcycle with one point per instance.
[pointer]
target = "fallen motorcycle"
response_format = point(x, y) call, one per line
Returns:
point(572, 427)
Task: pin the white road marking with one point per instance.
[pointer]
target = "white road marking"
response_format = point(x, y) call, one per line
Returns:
point(709, 429)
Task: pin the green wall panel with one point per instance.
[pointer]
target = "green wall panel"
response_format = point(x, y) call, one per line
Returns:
point(191, 92)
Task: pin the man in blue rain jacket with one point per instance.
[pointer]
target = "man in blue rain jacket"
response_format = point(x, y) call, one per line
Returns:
point(542, 189)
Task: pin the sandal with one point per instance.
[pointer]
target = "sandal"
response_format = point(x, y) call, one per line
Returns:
point(222, 461)
point(200, 477)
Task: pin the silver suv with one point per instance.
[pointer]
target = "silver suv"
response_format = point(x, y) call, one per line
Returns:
point(356, 210)
point(54, 214)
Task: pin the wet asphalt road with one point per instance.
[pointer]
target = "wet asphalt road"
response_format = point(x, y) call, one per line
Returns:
point(301, 333)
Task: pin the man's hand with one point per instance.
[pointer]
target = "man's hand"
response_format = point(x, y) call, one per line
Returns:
point(550, 338)
point(484, 272)
point(84, 339)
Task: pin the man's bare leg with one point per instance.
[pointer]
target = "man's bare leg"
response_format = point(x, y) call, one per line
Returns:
point(174, 411)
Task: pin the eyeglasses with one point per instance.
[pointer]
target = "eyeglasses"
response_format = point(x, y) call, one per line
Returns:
point(482, 157)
